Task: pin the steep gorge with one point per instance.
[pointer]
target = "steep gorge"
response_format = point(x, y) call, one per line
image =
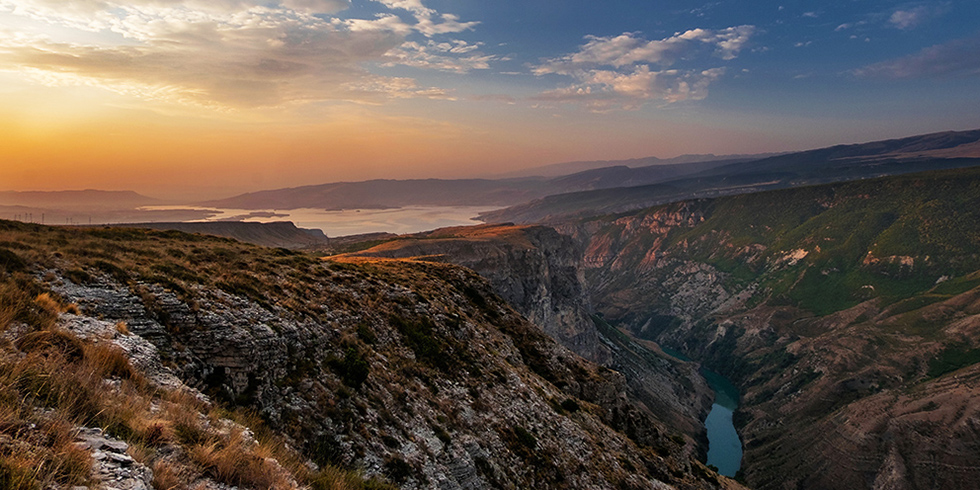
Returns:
point(540, 272)
point(847, 314)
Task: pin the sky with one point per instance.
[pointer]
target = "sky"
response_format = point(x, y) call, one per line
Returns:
point(189, 99)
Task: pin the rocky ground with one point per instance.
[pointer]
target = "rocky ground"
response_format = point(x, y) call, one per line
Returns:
point(416, 372)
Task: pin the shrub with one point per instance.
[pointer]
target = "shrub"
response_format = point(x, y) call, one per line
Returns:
point(570, 405)
point(397, 469)
point(524, 437)
point(11, 262)
point(419, 337)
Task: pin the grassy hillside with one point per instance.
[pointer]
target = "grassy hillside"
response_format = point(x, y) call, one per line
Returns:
point(847, 314)
point(885, 238)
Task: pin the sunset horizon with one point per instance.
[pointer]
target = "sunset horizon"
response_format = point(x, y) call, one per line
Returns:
point(195, 100)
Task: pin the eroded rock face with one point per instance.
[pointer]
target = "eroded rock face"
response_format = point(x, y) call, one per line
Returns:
point(640, 280)
point(541, 273)
point(535, 269)
point(414, 371)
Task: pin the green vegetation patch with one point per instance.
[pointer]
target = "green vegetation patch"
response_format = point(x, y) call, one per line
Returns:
point(525, 438)
point(957, 285)
point(353, 369)
point(951, 359)
point(419, 335)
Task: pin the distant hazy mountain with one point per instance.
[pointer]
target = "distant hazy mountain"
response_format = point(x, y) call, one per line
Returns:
point(624, 176)
point(838, 163)
point(567, 168)
point(76, 200)
point(376, 194)
point(379, 194)
point(87, 207)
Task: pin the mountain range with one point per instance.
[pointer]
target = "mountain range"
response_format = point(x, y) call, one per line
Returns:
point(845, 162)
point(374, 194)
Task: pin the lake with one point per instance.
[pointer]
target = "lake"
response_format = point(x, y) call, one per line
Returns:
point(409, 219)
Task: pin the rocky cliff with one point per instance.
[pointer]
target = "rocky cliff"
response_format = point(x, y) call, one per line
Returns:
point(415, 371)
point(540, 272)
point(533, 268)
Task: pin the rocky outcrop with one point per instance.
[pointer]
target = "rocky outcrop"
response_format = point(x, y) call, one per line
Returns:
point(112, 467)
point(416, 371)
point(535, 269)
point(540, 272)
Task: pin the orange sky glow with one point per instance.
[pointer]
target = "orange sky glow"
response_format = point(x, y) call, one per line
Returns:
point(194, 99)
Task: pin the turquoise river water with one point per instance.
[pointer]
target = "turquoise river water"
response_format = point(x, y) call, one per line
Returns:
point(724, 445)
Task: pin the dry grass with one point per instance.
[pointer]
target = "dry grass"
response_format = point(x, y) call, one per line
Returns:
point(46, 302)
point(232, 460)
point(57, 383)
point(167, 476)
point(18, 295)
point(36, 446)
point(49, 375)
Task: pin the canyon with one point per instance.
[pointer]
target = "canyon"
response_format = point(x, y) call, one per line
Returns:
point(846, 315)
point(561, 355)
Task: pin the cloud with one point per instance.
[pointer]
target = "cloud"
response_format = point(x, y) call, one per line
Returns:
point(604, 90)
point(954, 59)
point(317, 6)
point(428, 21)
point(616, 71)
point(627, 49)
point(395, 87)
point(911, 17)
point(430, 25)
point(908, 19)
point(234, 53)
point(454, 56)
point(411, 5)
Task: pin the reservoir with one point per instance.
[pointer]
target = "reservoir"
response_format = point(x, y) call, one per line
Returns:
point(724, 446)
point(341, 222)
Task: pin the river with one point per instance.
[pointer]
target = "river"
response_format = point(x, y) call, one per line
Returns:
point(724, 446)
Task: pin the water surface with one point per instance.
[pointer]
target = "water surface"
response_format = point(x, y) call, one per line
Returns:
point(724, 446)
point(408, 219)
